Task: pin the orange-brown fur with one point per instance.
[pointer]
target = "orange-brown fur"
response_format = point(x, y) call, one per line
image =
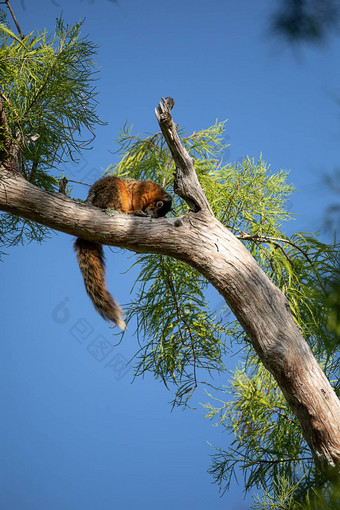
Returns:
point(145, 198)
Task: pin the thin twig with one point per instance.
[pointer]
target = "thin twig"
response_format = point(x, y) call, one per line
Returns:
point(244, 458)
point(14, 19)
point(280, 461)
point(79, 182)
point(5, 97)
point(275, 241)
point(74, 130)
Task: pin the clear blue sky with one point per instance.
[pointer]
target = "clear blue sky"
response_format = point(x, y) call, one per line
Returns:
point(75, 433)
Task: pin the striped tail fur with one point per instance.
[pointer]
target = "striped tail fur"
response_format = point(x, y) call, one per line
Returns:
point(92, 266)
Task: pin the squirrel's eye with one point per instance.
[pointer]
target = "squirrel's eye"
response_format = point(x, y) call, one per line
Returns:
point(159, 205)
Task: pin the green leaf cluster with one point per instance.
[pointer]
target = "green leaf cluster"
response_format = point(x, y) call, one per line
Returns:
point(183, 335)
point(47, 92)
point(179, 335)
point(268, 446)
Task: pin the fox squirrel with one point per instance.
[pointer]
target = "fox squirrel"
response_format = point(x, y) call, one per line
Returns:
point(145, 198)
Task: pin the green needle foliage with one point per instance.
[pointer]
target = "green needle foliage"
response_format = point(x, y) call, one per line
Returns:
point(183, 338)
point(47, 89)
point(47, 92)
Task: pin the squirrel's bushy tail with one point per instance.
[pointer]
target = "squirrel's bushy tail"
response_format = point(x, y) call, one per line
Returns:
point(92, 266)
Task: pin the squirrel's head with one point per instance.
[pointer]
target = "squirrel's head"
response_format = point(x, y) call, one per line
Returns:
point(159, 207)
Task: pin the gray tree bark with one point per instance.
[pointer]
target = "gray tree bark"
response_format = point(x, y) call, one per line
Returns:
point(201, 241)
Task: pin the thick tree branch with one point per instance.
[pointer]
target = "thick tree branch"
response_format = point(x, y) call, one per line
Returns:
point(201, 241)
